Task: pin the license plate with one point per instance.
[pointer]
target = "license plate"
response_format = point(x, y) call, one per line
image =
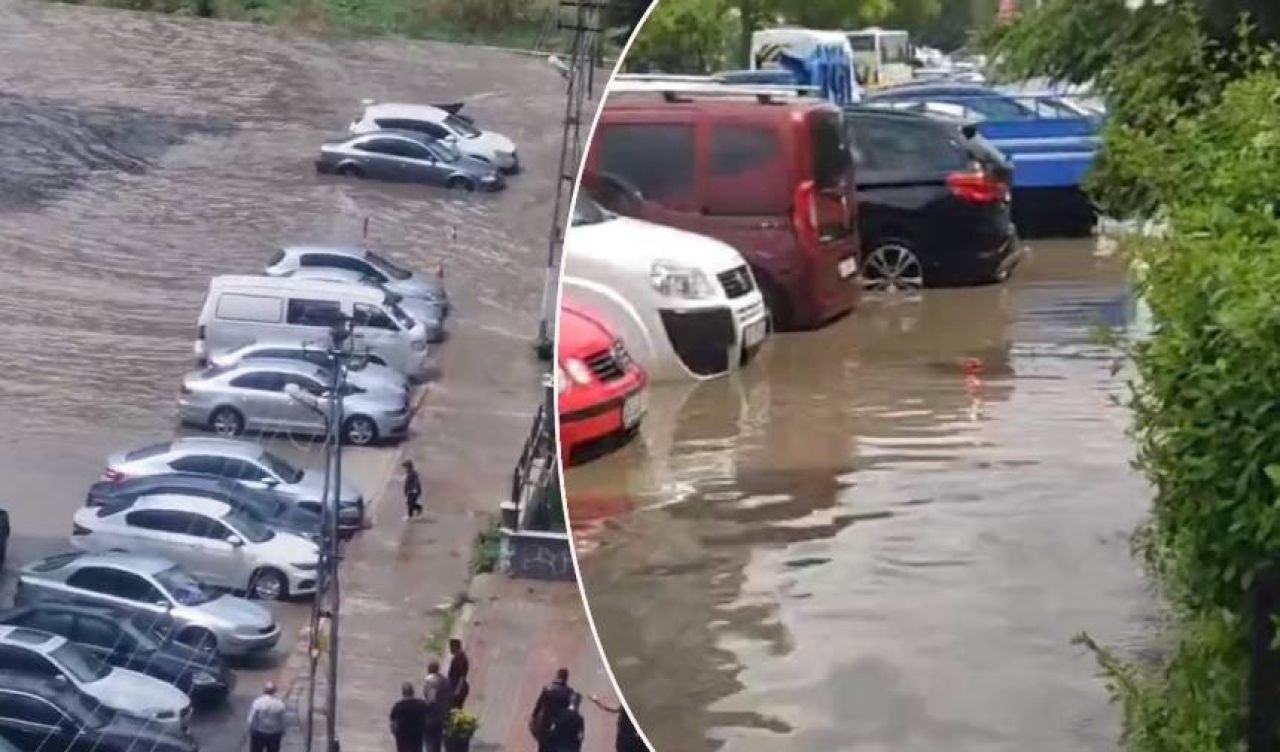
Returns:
point(753, 334)
point(848, 267)
point(633, 410)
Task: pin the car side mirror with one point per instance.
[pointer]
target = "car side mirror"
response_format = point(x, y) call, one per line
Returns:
point(235, 540)
point(270, 482)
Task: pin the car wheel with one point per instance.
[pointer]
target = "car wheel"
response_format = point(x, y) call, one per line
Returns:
point(199, 638)
point(350, 171)
point(776, 301)
point(226, 421)
point(458, 182)
point(893, 266)
point(360, 430)
point(269, 585)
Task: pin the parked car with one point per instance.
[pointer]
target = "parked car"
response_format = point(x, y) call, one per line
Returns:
point(44, 654)
point(686, 305)
point(275, 510)
point(131, 642)
point(239, 310)
point(378, 268)
point(152, 588)
point(1051, 142)
point(443, 123)
point(408, 157)
point(44, 714)
point(242, 461)
point(220, 546)
point(768, 174)
point(431, 314)
point(367, 376)
point(601, 389)
point(933, 200)
point(255, 396)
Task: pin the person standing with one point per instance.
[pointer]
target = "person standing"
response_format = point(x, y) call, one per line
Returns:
point(438, 695)
point(409, 720)
point(459, 667)
point(412, 491)
point(627, 740)
point(266, 721)
point(568, 728)
point(552, 701)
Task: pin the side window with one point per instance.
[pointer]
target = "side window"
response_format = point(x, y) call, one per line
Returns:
point(233, 307)
point(309, 385)
point(749, 173)
point(659, 160)
point(94, 579)
point(150, 520)
point(373, 317)
point(115, 583)
point(260, 382)
point(101, 633)
point(23, 707)
point(303, 312)
point(200, 465)
point(242, 470)
point(198, 526)
point(29, 662)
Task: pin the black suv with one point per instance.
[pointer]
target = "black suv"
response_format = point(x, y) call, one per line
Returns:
point(124, 641)
point(933, 201)
point(41, 713)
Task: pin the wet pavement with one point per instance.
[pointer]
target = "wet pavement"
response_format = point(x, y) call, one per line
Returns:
point(142, 154)
point(883, 535)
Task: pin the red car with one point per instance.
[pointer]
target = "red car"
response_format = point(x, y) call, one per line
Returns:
point(601, 389)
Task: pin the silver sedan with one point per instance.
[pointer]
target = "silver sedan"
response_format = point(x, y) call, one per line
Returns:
point(408, 157)
point(369, 377)
point(283, 396)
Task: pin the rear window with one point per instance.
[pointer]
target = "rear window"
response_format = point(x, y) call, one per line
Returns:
point(830, 150)
point(259, 308)
point(901, 146)
point(748, 173)
point(147, 452)
point(658, 160)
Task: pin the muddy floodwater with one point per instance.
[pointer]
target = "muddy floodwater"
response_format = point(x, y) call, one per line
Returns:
point(883, 535)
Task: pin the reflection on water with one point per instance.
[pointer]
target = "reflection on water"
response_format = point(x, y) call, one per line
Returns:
point(884, 535)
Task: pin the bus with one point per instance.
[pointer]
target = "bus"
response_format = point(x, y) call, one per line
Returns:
point(882, 57)
point(822, 59)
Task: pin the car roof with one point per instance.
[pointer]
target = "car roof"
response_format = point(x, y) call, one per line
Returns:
point(405, 111)
point(892, 113)
point(90, 609)
point(327, 272)
point(182, 503)
point(46, 687)
point(781, 108)
point(294, 286)
point(139, 563)
point(277, 365)
point(140, 483)
point(414, 136)
point(354, 251)
point(227, 447)
point(33, 639)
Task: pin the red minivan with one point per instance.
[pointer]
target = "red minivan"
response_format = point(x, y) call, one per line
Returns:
point(769, 174)
point(600, 389)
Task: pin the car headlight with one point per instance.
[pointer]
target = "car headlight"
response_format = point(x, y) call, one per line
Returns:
point(490, 178)
point(577, 371)
point(203, 678)
point(562, 380)
point(679, 281)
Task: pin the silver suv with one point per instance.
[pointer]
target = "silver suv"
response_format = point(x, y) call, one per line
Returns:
point(154, 588)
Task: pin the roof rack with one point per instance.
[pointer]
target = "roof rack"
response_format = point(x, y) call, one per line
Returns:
point(672, 87)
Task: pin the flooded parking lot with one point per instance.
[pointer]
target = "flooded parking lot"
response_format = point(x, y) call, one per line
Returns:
point(140, 155)
point(883, 535)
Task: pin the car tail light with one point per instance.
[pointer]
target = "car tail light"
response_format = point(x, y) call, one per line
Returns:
point(976, 187)
point(78, 529)
point(804, 216)
point(112, 476)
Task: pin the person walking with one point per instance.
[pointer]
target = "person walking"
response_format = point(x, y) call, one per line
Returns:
point(568, 728)
point(459, 667)
point(552, 701)
point(266, 721)
point(438, 695)
point(627, 740)
point(412, 491)
point(409, 720)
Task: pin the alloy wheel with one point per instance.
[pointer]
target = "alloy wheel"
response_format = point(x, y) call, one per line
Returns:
point(892, 267)
point(361, 431)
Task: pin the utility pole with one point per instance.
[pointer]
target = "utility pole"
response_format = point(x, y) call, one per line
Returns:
point(584, 50)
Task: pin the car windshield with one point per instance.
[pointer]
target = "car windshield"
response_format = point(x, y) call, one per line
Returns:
point(462, 127)
point(386, 265)
point(247, 526)
point(79, 663)
point(402, 318)
point(183, 588)
point(286, 472)
point(587, 212)
point(444, 152)
point(263, 504)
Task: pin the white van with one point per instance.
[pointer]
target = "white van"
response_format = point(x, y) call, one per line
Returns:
point(686, 305)
point(242, 310)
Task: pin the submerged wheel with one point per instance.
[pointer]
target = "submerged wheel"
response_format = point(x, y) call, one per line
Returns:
point(350, 171)
point(891, 267)
point(226, 421)
point(460, 183)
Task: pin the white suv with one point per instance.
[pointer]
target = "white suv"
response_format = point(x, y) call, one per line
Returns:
point(687, 305)
point(442, 123)
point(220, 546)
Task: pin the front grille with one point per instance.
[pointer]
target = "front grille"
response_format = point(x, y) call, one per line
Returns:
point(702, 338)
point(736, 282)
point(606, 364)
